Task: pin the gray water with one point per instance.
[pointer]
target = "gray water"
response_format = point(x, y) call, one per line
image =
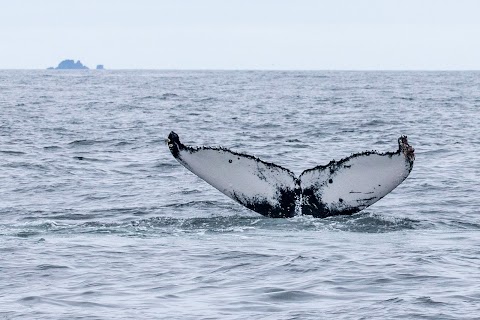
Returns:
point(98, 220)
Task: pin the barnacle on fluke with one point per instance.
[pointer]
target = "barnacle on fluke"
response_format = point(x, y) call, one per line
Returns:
point(340, 187)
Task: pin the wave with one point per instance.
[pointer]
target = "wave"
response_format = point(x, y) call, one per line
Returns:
point(13, 153)
point(361, 223)
point(87, 142)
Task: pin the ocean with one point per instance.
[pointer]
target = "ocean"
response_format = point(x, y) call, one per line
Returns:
point(99, 221)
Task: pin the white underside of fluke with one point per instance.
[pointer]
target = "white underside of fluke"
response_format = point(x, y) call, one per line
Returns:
point(357, 182)
point(240, 177)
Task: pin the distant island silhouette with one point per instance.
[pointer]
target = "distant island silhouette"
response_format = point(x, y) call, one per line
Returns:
point(71, 64)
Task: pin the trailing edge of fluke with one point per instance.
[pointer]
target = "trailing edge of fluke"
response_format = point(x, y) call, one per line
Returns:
point(338, 188)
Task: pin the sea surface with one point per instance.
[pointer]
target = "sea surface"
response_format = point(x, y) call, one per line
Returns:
point(99, 221)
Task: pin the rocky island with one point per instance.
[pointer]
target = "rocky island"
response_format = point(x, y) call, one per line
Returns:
point(69, 64)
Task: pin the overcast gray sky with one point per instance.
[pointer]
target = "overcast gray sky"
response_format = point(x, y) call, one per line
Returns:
point(242, 34)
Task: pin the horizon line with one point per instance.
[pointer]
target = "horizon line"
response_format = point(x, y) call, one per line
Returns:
point(242, 69)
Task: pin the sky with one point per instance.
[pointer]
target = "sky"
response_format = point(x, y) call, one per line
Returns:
point(242, 34)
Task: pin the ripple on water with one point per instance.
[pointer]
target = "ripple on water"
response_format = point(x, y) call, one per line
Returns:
point(359, 223)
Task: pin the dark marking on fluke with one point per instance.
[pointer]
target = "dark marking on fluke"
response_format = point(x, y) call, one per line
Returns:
point(285, 209)
point(174, 144)
point(291, 199)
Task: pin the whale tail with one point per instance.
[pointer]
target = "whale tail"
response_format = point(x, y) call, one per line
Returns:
point(340, 187)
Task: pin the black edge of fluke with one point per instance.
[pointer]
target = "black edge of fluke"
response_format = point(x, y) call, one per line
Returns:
point(177, 146)
point(174, 144)
point(403, 146)
point(407, 149)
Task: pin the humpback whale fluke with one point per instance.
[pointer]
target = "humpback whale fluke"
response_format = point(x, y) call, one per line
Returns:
point(340, 187)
